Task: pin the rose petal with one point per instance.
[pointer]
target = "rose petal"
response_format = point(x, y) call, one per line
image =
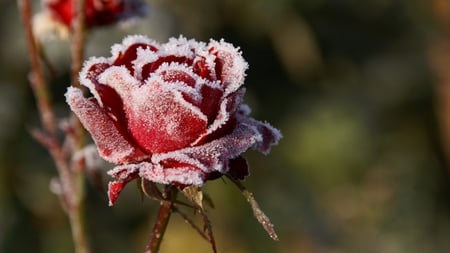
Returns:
point(270, 135)
point(111, 144)
point(172, 174)
point(180, 175)
point(230, 66)
point(92, 68)
point(160, 120)
point(214, 155)
point(123, 174)
point(114, 190)
point(224, 120)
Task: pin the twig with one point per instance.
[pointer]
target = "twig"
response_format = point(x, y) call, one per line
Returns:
point(206, 223)
point(190, 222)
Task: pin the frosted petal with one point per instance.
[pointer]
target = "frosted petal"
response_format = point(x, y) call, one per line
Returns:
point(112, 146)
point(184, 175)
point(214, 155)
point(270, 135)
point(123, 174)
point(120, 79)
point(227, 108)
point(230, 66)
point(118, 49)
point(89, 74)
point(160, 119)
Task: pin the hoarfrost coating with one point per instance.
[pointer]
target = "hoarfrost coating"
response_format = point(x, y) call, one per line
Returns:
point(170, 113)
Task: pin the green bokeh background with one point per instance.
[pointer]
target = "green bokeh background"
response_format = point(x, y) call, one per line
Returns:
point(361, 167)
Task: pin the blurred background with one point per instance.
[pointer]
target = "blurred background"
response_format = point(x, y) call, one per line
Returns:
point(359, 89)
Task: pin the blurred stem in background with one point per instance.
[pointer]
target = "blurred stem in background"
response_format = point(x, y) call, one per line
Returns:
point(70, 186)
point(439, 57)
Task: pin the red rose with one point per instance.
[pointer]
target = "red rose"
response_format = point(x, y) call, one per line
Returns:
point(98, 12)
point(170, 113)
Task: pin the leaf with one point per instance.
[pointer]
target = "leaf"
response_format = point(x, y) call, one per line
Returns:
point(151, 190)
point(257, 212)
point(194, 194)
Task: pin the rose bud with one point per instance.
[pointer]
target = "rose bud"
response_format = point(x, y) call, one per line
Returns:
point(57, 15)
point(170, 113)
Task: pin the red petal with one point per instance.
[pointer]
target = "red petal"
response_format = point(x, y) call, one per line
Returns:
point(178, 76)
point(126, 58)
point(201, 68)
point(152, 66)
point(103, 12)
point(230, 66)
point(114, 189)
point(214, 155)
point(61, 10)
point(162, 121)
point(210, 103)
point(111, 144)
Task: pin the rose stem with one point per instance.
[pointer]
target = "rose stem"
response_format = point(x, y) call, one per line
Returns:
point(77, 54)
point(165, 210)
point(69, 197)
point(77, 41)
point(36, 76)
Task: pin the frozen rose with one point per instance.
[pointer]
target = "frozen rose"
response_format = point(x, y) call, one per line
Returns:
point(97, 12)
point(170, 113)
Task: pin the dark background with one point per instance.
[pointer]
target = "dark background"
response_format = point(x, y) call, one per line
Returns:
point(356, 87)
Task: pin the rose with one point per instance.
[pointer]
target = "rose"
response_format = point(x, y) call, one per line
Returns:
point(97, 12)
point(169, 113)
